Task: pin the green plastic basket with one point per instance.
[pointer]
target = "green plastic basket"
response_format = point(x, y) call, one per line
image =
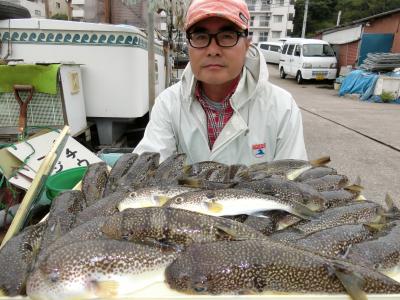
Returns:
point(65, 180)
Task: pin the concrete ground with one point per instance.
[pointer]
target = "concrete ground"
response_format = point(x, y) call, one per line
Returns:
point(362, 138)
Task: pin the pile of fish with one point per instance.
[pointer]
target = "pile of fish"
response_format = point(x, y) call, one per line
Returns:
point(207, 228)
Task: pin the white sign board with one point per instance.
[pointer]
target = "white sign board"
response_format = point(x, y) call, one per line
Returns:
point(73, 155)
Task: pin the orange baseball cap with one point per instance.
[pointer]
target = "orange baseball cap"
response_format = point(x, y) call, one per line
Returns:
point(235, 11)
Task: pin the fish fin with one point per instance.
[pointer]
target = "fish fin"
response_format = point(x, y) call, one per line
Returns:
point(360, 198)
point(354, 188)
point(3, 292)
point(105, 289)
point(292, 175)
point(162, 244)
point(322, 161)
point(303, 211)
point(187, 169)
point(196, 183)
point(374, 227)
point(287, 222)
point(57, 229)
point(160, 200)
point(358, 181)
point(224, 230)
point(243, 176)
point(351, 281)
point(214, 206)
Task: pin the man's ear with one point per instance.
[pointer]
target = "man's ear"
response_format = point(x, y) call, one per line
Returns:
point(248, 41)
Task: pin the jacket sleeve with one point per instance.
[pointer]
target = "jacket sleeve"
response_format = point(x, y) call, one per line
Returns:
point(159, 135)
point(290, 138)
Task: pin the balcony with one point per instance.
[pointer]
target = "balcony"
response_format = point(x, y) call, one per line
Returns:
point(78, 2)
point(78, 13)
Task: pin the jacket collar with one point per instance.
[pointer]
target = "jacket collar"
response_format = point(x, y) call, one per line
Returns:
point(254, 71)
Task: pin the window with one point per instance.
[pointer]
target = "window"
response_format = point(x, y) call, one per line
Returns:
point(278, 18)
point(318, 50)
point(264, 21)
point(263, 37)
point(38, 13)
point(265, 4)
point(251, 4)
point(290, 17)
point(58, 5)
point(280, 2)
point(252, 21)
point(290, 50)
point(276, 34)
point(297, 50)
point(284, 49)
point(263, 46)
point(275, 48)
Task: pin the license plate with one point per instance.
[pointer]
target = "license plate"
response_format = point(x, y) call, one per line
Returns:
point(320, 77)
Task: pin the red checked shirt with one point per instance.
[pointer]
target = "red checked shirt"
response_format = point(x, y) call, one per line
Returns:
point(218, 113)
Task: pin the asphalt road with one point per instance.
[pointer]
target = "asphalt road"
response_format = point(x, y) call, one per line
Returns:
point(362, 138)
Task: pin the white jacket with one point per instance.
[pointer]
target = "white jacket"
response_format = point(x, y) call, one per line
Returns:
point(266, 124)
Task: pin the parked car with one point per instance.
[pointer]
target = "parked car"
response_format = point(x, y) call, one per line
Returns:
point(307, 59)
point(271, 51)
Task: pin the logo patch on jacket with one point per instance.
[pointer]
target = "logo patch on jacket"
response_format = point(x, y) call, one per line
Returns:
point(259, 150)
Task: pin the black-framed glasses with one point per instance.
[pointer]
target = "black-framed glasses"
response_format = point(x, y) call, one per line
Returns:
point(225, 38)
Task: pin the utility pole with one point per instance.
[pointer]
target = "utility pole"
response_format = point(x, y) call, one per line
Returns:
point(107, 11)
point(150, 54)
point(303, 31)
point(47, 9)
point(69, 10)
point(338, 18)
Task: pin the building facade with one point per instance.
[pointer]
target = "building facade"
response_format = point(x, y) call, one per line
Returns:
point(270, 20)
point(58, 7)
point(120, 12)
point(353, 41)
point(35, 7)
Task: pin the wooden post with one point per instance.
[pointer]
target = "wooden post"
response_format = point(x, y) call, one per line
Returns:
point(47, 9)
point(36, 186)
point(150, 55)
point(107, 11)
point(69, 10)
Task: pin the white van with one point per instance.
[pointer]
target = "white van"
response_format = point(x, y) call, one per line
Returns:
point(307, 59)
point(271, 51)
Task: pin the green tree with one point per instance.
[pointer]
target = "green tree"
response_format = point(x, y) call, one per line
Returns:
point(59, 17)
point(322, 14)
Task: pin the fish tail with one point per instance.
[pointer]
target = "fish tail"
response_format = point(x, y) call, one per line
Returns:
point(351, 281)
point(392, 210)
point(322, 161)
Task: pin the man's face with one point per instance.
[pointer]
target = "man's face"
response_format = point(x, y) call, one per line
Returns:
point(217, 65)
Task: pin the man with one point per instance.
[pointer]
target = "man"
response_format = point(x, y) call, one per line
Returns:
point(224, 109)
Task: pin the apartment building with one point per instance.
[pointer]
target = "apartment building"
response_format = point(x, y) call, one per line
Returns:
point(270, 20)
point(58, 7)
point(35, 7)
point(121, 12)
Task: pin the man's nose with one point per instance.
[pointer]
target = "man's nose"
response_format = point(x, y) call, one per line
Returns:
point(213, 48)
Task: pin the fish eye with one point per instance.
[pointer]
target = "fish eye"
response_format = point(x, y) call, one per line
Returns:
point(133, 195)
point(54, 276)
point(210, 195)
point(199, 287)
point(178, 200)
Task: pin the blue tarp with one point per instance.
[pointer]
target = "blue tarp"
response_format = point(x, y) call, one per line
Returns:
point(363, 83)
